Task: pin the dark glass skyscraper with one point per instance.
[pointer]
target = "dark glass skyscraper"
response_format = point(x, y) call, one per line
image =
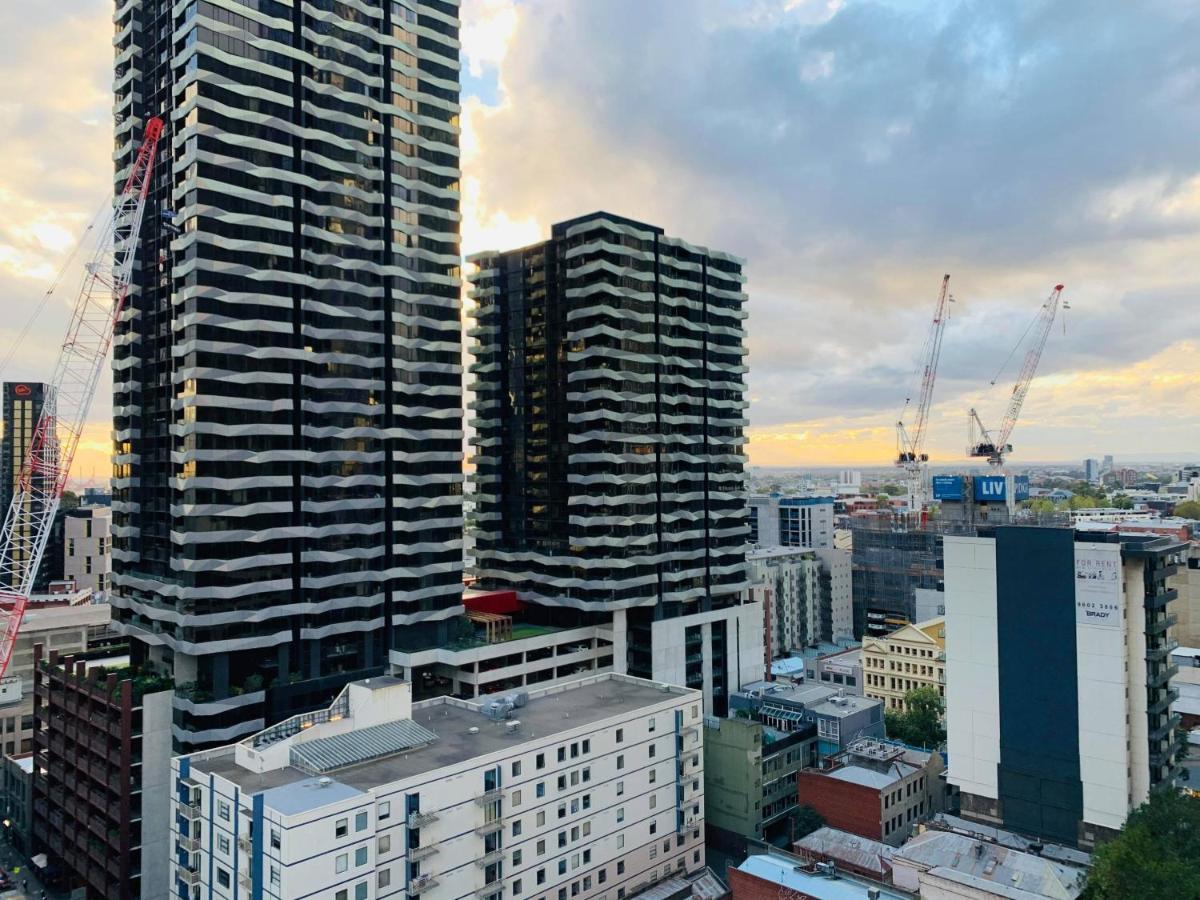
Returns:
point(22, 408)
point(287, 400)
point(609, 448)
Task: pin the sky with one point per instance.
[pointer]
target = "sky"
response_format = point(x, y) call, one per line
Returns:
point(852, 152)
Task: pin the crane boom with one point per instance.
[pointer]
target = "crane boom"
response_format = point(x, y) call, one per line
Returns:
point(995, 445)
point(911, 453)
point(68, 397)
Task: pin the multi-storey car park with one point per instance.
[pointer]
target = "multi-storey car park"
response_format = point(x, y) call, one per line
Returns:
point(287, 399)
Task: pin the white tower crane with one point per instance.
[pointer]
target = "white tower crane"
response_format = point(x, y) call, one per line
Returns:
point(910, 444)
point(994, 445)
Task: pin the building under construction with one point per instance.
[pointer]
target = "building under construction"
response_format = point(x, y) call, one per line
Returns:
point(891, 560)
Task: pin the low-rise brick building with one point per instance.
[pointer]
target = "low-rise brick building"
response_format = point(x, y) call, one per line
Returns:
point(876, 788)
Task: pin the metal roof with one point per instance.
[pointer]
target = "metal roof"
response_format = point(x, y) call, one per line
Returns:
point(361, 745)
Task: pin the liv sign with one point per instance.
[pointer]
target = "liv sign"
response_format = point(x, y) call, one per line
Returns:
point(990, 489)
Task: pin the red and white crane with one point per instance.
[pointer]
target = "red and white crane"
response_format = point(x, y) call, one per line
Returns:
point(68, 397)
point(910, 444)
point(994, 445)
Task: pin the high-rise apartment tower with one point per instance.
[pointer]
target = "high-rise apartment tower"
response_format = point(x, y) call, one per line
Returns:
point(287, 400)
point(609, 414)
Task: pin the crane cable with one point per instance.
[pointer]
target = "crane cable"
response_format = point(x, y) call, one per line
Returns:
point(40, 307)
point(1017, 346)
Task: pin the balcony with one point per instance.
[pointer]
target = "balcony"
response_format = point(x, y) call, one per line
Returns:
point(245, 844)
point(190, 811)
point(488, 858)
point(421, 884)
point(246, 880)
point(490, 827)
point(1170, 724)
point(188, 875)
point(421, 819)
point(188, 844)
point(492, 796)
point(418, 853)
point(490, 890)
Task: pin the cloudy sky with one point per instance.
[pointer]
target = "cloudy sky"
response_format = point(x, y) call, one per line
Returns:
point(851, 151)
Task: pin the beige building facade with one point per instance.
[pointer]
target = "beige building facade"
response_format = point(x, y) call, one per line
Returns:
point(910, 657)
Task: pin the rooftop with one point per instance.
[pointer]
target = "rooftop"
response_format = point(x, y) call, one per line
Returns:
point(49, 618)
point(849, 849)
point(358, 756)
point(983, 866)
point(783, 870)
point(846, 705)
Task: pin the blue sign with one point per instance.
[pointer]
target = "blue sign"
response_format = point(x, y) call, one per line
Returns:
point(1021, 487)
point(947, 487)
point(990, 489)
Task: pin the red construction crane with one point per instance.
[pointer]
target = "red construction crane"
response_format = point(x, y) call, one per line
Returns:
point(910, 445)
point(994, 445)
point(68, 397)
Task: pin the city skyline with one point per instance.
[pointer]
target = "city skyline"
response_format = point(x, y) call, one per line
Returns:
point(969, 173)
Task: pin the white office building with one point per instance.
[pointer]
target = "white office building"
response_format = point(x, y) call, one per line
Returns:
point(590, 790)
point(87, 548)
point(778, 521)
point(1057, 677)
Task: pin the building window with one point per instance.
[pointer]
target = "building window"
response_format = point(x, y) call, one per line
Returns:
point(341, 828)
point(383, 845)
point(516, 768)
point(385, 811)
point(587, 746)
point(620, 788)
point(383, 878)
point(223, 843)
point(620, 814)
point(516, 828)
point(653, 801)
point(223, 810)
point(541, 789)
point(275, 839)
point(275, 875)
point(652, 725)
point(516, 857)
point(621, 862)
point(360, 891)
point(360, 821)
point(620, 735)
point(341, 895)
point(651, 751)
point(342, 863)
point(541, 818)
point(516, 798)
point(222, 877)
point(541, 876)
point(541, 848)
point(360, 856)
point(653, 776)
point(587, 773)
point(562, 754)
point(654, 827)
point(575, 750)
point(516, 887)
point(541, 760)
point(621, 761)
point(562, 867)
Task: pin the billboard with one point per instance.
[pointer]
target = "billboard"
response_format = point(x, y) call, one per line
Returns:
point(947, 487)
point(1098, 585)
point(990, 489)
point(1020, 487)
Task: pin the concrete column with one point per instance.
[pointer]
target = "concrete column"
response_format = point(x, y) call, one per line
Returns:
point(706, 664)
point(620, 647)
point(220, 673)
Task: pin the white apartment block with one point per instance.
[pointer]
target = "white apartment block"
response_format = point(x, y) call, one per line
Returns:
point(777, 521)
point(87, 547)
point(589, 790)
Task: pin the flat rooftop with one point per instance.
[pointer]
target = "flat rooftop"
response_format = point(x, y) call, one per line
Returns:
point(872, 778)
point(990, 868)
point(784, 871)
point(846, 705)
point(559, 709)
point(778, 691)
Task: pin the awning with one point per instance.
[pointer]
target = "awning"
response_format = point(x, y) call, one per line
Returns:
point(784, 715)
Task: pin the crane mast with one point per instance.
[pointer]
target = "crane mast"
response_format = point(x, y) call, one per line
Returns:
point(994, 445)
point(68, 397)
point(911, 455)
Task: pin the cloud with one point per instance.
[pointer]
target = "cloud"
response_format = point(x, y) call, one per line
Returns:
point(853, 153)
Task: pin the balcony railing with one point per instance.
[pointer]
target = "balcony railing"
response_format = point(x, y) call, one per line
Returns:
point(488, 858)
point(189, 876)
point(190, 811)
point(490, 827)
point(421, 819)
point(421, 884)
point(419, 853)
point(188, 843)
point(489, 796)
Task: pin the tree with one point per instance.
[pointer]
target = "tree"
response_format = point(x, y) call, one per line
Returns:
point(1155, 857)
point(806, 821)
point(921, 722)
point(1122, 502)
point(1188, 509)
